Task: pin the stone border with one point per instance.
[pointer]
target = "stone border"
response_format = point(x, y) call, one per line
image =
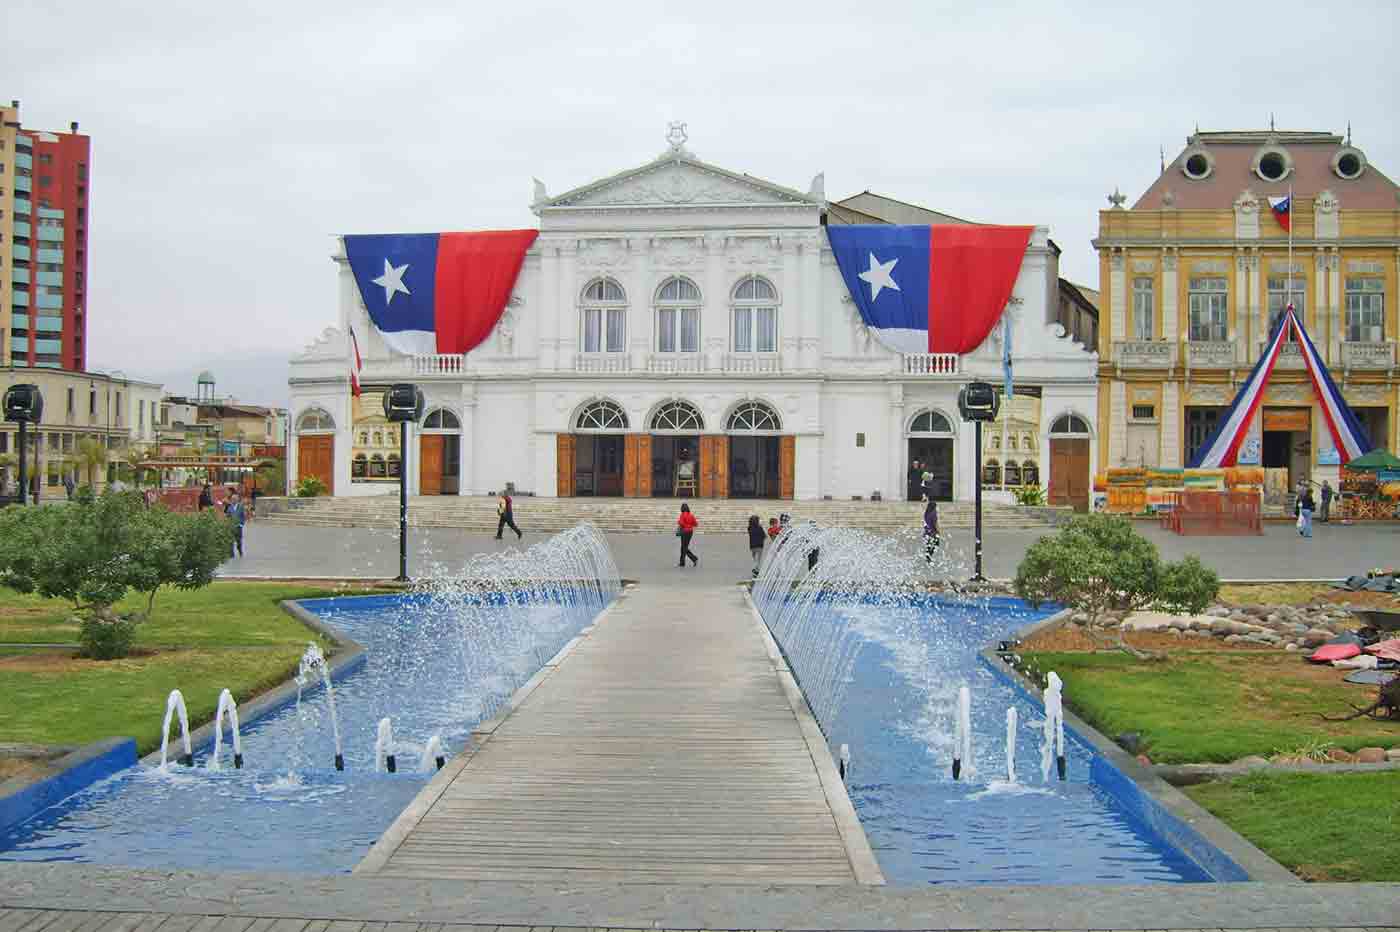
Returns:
point(398, 831)
point(23, 797)
point(843, 811)
point(1193, 774)
point(349, 656)
point(1162, 807)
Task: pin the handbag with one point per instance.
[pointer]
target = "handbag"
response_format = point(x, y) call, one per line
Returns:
point(678, 531)
point(1299, 525)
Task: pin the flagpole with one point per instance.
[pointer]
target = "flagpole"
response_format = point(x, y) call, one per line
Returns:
point(1288, 291)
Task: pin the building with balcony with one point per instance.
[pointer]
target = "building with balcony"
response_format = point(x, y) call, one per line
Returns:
point(682, 329)
point(1196, 271)
point(43, 245)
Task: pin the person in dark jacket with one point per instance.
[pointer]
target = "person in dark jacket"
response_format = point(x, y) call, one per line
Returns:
point(916, 472)
point(1305, 512)
point(685, 530)
point(931, 539)
point(1326, 501)
point(206, 497)
point(505, 510)
point(757, 537)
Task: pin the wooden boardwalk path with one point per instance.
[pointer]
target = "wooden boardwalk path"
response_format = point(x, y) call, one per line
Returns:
point(667, 744)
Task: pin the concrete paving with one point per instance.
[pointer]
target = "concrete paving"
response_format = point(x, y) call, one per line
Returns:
point(1334, 552)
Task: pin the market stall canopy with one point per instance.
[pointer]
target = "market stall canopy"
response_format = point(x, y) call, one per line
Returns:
point(1375, 461)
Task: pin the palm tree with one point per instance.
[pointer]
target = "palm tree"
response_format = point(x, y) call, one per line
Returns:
point(91, 456)
point(135, 459)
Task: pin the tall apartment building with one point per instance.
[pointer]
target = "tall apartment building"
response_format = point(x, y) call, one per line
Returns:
point(43, 245)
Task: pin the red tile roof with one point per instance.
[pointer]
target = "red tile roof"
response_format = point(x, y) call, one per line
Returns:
point(1234, 153)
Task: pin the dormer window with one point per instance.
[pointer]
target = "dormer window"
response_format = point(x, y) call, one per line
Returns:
point(1273, 163)
point(1348, 164)
point(1197, 164)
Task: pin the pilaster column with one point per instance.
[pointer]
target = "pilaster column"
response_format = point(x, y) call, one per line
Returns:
point(640, 317)
point(714, 322)
point(1169, 419)
point(1240, 326)
point(1258, 307)
point(549, 309)
point(466, 452)
point(565, 329)
point(790, 312)
point(811, 335)
point(348, 293)
point(1170, 312)
point(895, 479)
point(1117, 295)
point(1336, 304)
point(1118, 423)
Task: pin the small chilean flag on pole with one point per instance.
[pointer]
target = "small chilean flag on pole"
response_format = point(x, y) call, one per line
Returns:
point(359, 365)
point(1283, 211)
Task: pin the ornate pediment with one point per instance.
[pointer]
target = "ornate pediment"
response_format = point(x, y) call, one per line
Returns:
point(332, 344)
point(678, 181)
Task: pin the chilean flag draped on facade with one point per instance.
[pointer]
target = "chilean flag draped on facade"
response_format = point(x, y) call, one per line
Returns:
point(1347, 434)
point(437, 292)
point(929, 289)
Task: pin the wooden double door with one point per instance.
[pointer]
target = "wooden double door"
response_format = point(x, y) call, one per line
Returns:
point(1069, 473)
point(439, 464)
point(316, 457)
point(649, 465)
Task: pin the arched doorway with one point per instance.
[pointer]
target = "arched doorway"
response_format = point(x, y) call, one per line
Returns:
point(316, 447)
point(1069, 462)
point(598, 453)
point(440, 453)
point(930, 442)
point(755, 451)
point(675, 429)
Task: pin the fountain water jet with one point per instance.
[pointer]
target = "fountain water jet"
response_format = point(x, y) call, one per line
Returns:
point(1052, 747)
point(175, 702)
point(1011, 745)
point(384, 747)
point(962, 740)
point(227, 708)
point(434, 757)
point(313, 664)
point(845, 760)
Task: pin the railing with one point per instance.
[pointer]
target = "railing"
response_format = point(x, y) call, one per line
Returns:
point(672, 363)
point(1210, 354)
point(752, 362)
point(1143, 354)
point(438, 363)
point(931, 363)
point(602, 362)
point(1368, 355)
point(1290, 356)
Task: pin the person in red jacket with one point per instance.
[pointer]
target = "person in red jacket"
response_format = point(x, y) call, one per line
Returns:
point(685, 530)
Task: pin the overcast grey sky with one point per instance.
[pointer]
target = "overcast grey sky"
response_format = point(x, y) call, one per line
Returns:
point(231, 140)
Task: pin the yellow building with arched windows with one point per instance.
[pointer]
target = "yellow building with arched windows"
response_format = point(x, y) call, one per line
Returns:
point(1194, 272)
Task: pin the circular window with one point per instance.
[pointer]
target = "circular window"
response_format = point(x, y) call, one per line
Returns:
point(1197, 165)
point(1348, 164)
point(1272, 164)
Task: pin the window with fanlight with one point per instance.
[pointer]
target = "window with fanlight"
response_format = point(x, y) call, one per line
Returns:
point(678, 317)
point(604, 313)
point(602, 417)
point(754, 416)
point(755, 316)
point(677, 417)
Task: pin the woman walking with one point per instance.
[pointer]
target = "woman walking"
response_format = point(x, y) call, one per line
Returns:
point(685, 530)
point(757, 537)
point(1305, 512)
point(931, 540)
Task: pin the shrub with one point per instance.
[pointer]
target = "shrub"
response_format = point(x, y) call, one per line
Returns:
point(106, 636)
point(1188, 586)
point(1030, 495)
point(1095, 563)
point(310, 487)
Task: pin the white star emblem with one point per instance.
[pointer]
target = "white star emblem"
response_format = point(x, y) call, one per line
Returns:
point(878, 275)
point(392, 281)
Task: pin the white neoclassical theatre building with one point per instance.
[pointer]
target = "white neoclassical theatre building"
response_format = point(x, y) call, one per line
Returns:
point(681, 329)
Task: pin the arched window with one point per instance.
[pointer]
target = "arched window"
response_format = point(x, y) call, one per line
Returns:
point(394, 464)
point(601, 416)
point(991, 473)
point(1070, 424)
point(678, 317)
point(754, 416)
point(376, 466)
point(1026, 442)
point(378, 439)
point(677, 417)
point(1030, 473)
point(315, 419)
point(359, 466)
point(994, 442)
point(364, 438)
point(1013, 473)
point(604, 313)
point(1011, 444)
point(930, 422)
point(755, 316)
point(441, 419)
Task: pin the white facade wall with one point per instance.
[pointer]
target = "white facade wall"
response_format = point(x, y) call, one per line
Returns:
point(828, 379)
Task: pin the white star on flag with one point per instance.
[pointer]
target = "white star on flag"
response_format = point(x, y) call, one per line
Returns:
point(878, 275)
point(392, 281)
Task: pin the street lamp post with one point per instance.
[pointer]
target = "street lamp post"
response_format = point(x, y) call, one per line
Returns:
point(403, 402)
point(978, 403)
point(24, 404)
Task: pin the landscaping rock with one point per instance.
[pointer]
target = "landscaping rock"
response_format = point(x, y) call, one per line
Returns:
point(1129, 741)
point(1219, 611)
point(1253, 760)
point(1144, 760)
point(1338, 756)
point(1393, 755)
point(1314, 637)
point(1370, 756)
point(1222, 626)
point(1234, 638)
point(1195, 634)
point(1290, 646)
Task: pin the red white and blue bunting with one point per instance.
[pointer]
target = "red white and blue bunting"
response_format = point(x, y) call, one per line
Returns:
point(1347, 433)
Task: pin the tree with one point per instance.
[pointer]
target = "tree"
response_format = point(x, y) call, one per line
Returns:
point(135, 459)
point(1095, 564)
point(91, 456)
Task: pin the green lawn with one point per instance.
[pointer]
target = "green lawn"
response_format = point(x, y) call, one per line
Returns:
point(1216, 706)
point(230, 635)
point(1330, 827)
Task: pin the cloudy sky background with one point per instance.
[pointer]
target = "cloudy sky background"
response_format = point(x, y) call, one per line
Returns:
point(230, 141)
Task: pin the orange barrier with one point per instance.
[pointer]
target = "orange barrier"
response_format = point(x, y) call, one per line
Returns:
point(1196, 513)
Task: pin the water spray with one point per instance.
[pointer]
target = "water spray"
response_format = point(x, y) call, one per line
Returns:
point(845, 760)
